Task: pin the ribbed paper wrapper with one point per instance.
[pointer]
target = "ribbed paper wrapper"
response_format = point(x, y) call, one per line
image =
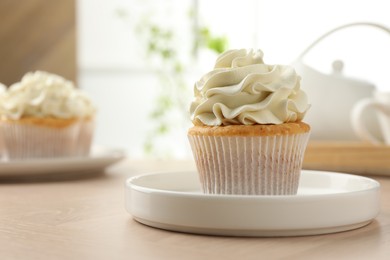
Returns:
point(25, 141)
point(2, 145)
point(253, 165)
point(85, 138)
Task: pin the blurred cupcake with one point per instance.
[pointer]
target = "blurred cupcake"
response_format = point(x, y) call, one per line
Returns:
point(43, 116)
point(87, 124)
point(248, 135)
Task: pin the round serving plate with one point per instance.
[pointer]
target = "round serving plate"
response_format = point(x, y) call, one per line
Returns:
point(99, 159)
point(326, 202)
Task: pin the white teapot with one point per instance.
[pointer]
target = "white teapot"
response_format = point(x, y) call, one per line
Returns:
point(333, 96)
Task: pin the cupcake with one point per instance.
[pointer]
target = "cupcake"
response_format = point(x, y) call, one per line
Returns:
point(87, 122)
point(248, 136)
point(44, 116)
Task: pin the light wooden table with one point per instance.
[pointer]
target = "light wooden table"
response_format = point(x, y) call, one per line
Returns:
point(83, 217)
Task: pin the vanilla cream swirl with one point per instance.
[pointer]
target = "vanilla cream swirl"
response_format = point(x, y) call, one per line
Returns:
point(243, 90)
point(41, 94)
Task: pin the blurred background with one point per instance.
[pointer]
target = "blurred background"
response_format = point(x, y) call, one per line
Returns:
point(139, 59)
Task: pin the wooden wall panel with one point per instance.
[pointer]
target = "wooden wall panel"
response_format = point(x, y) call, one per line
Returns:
point(37, 35)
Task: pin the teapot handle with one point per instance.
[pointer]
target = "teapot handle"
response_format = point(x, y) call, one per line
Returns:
point(379, 26)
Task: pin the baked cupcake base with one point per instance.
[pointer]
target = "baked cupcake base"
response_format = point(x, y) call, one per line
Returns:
point(249, 160)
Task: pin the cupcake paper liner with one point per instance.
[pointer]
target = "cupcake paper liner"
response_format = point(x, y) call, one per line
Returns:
point(2, 146)
point(252, 165)
point(85, 137)
point(25, 141)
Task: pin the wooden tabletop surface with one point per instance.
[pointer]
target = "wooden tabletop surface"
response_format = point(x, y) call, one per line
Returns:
point(83, 217)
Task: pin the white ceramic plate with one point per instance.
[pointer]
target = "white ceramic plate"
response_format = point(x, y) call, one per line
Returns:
point(99, 159)
point(326, 202)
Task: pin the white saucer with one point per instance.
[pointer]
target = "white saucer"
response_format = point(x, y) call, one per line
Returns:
point(327, 202)
point(99, 159)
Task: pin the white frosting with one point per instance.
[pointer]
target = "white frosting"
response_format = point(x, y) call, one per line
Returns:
point(41, 94)
point(3, 88)
point(243, 90)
